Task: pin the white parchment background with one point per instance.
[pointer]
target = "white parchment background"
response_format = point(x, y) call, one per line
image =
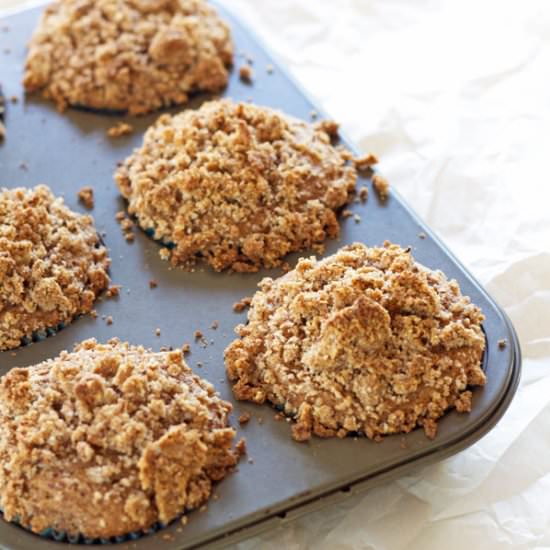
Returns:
point(454, 97)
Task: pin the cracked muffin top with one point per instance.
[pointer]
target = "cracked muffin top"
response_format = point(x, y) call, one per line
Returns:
point(52, 263)
point(108, 440)
point(366, 340)
point(127, 55)
point(236, 185)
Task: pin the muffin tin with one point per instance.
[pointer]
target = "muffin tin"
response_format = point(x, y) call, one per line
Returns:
point(283, 479)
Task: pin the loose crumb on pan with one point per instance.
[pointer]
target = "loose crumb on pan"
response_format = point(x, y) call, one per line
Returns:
point(381, 186)
point(244, 418)
point(125, 438)
point(86, 197)
point(109, 320)
point(242, 304)
point(502, 343)
point(113, 291)
point(246, 73)
point(120, 129)
point(215, 324)
point(363, 194)
point(240, 447)
point(2, 111)
point(236, 185)
point(127, 55)
point(52, 263)
point(269, 69)
point(366, 341)
point(365, 162)
point(153, 283)
point(186, 348)
point(157, 332)
point(347, 214)
point(198, 335)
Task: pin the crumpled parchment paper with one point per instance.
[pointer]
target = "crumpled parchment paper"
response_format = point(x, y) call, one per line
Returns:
point(454, 97)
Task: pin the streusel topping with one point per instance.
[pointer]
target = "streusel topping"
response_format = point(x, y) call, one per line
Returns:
point(236, 185)
point(127, 55)
point(108, 440)
point(366, 340)
point(52, 263)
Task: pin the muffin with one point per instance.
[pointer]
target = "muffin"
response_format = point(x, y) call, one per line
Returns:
point(109, 440)
point(52, 264)
point(236, 185)
point(127, 55)
point(365, 341)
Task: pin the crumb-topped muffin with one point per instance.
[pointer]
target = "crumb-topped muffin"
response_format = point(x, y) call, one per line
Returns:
point(108, 440)
point(52, 264)
point(366, 341)
point(236, 185)
point(127, 55)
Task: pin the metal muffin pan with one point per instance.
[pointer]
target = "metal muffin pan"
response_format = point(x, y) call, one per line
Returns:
point(286, 479)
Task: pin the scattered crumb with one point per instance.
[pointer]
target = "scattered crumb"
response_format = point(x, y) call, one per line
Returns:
point(167, 536)
point(164, 253)
point(422, 235)
point(244, 418)
point(246, 73)
point(23, 166)
point(240, 447)
point(356, 218)
point(215, 324)
point(313, 114)
point(14, 99)
point(86, 197)
point(109, 320)
point(199, 364)
point(120, 129)
point(403, 443)
point(502, 343)
point(381, 186)
point(120, 215)
point(269, 69)
point(204, 507)
point(185, 349)
point(215, 496)
point(157, 331)
point(242, 304)
point(184, 520)
point(113, 291)
point(251, 461)
point(153, 283)
point(130, 237)
point(198, 335)
point(93, 314)
point(363, 194)
point(126, 225)
point(260, 420)
point(347, 214)
point(279, 416)
point(365, 162)
point(286, 267)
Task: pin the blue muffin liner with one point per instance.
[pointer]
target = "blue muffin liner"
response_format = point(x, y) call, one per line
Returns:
point(151, 233)
point(39, 335)
point(62, 536)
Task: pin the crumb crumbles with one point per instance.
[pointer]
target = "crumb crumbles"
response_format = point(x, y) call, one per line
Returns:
point(121, 436)
point(236, 185)
point(86, 197)
point(127, 55)
point(52, 264)
point(119, 130)
point(365, 341)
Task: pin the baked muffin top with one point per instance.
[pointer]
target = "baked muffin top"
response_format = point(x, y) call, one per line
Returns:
point(108, 440)
point(52, 263)
point(127, 55)
point(236, 185)
point(366, 340)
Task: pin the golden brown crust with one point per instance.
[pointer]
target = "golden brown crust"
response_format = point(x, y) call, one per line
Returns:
point(365, 341)
point(237, 185)
point(134, 55)
point(52, 264)
point(108, 440)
